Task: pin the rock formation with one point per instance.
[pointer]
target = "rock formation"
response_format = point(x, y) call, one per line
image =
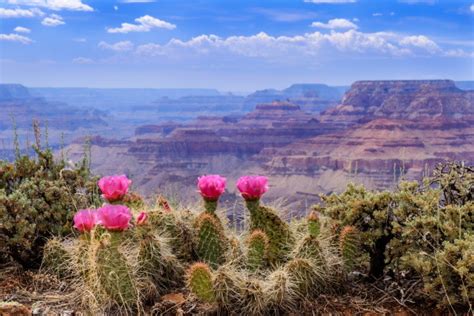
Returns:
point(381, 132)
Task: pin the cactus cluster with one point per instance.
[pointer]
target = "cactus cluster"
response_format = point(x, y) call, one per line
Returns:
point(275, 266)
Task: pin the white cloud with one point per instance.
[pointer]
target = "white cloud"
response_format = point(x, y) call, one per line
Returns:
point(20, 13)
point(144, 24)
point(15, 38)
point(347, 44)
point(122, 46)
point(459, 53)
point(80, 39)
point(420, 41)
point(335, 24)
point(82, 61)
point(330, 1)
point(115, 8)
point(53, 20)
point(471, 8)
point(56, 5)
point(377, 14)
point(21, 29)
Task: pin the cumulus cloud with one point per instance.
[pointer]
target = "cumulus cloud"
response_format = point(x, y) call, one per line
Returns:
point(21, 29)
point(335, 24)
point(144, 24)
point(459, 53)
point(122, 46)
point(420, 41)
point(471, 8)
point(330, 1)
point(20, 13)
point(82, 61)
point(351, 43)
point(56, 5)
point(53, 20)
point(15, 38)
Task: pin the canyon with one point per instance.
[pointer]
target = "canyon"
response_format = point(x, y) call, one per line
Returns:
point(380, 133)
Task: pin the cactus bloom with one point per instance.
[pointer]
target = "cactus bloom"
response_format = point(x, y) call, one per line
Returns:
point(252, 187)
point(85, 220)
point(142, 218)
point(114, 188)
point(211, 187)
point(114, 217)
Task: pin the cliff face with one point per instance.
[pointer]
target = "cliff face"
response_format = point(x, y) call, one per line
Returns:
point(407, 99)
point(381, 132)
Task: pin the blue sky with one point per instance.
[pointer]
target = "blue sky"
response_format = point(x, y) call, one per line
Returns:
point(237, 45)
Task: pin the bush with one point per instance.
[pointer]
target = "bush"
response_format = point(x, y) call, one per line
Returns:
point(38, 198)
point(424, 229)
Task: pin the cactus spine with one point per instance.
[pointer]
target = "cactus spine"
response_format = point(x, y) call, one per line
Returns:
point(257, 253)
point(277, 231)
point(314, 225)
point(114, 272)
point(348, 245)
point(211, 241)
point(200, 282)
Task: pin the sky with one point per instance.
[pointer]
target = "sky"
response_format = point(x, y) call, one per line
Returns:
point(233, 45)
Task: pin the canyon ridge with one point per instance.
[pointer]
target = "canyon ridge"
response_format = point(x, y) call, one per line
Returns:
point(381, 132)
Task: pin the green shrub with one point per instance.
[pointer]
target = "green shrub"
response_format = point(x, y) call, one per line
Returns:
point(38, 198)
point(425, 229)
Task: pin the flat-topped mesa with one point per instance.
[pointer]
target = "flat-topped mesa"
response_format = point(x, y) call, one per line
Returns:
point(277, 111)
point(406, 99)
point(278, 106)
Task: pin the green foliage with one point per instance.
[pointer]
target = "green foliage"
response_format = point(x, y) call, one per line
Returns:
point(257, 249)
point(200, 282)
point(277, 231)
point(38, 199)
point(424, 229)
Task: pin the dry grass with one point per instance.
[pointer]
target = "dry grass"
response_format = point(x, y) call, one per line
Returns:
point(48, 295)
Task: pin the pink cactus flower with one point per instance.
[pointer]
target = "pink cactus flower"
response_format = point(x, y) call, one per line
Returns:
point(211, 187)
point(252, 187)
point(142, 218)
point(85, 220)
point(114, 187)
point(114, 217)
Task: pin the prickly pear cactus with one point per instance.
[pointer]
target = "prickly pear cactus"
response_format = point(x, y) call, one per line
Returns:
point(306, 276)
point(200, 282)
point(156, 263)
point(314, 225)
point(348, 245)
point(277, 231)
point(211, 243)
point(176, 230)
point(56, 259)
point(114, 273)
point(257, 252)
